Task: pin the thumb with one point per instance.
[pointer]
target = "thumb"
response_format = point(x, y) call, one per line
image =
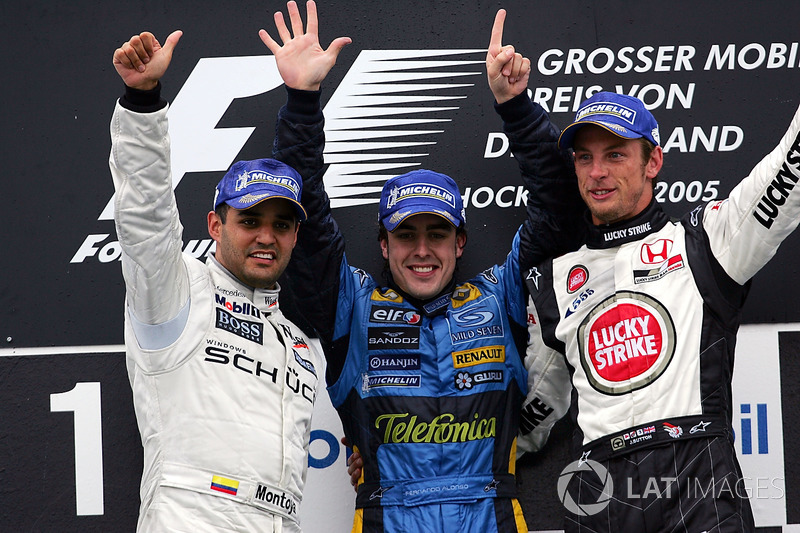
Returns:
point(337, 45)
point(172, 41)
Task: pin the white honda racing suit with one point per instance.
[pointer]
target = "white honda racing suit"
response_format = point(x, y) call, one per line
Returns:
point(646, 313)
point(223, 384)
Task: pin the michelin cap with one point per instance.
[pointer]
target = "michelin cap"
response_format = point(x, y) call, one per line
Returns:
point(248, 183)
point(622, 115)
point(420, 191)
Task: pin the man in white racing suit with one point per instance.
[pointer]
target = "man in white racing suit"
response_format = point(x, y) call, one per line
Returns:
point(223, 384)
point(646, 313)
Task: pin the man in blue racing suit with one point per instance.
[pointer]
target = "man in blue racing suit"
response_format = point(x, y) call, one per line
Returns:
point(427, 374)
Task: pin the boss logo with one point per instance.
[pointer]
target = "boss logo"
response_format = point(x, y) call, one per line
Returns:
point(252, 331)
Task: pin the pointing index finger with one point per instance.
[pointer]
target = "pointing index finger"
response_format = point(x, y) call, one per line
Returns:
point(497, 30)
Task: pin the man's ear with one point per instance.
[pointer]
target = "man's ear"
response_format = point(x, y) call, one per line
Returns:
point(385, 248)
point(655, 163)
point(461, 242)
point(214, 225)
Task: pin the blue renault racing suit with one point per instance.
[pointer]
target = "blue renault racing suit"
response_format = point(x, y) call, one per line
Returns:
point(431, 393)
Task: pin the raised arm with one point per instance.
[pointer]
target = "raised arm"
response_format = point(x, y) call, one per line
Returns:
point(554, 209)
point(302, 62)
point(313, 275)
point(142, 61)
point(507, 70)
point(146, 214)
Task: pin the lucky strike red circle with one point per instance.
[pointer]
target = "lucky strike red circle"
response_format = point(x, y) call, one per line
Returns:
point(624, 342)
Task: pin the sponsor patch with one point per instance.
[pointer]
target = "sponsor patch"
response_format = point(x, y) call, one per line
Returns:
point(479, 356)
point(466, 380)
point(394, 362)
point(489, 275)
point(401, 428)
point(385, 314)
point(239, 308)
point(674, 431)
point(393, 338)
point(439, 303)
point(390, 380)
point(252, 331)
point(420, 190)
point(385, 295)
point(671, 265)
point(478, 321)
point(464, 294)
point(577, 278)
point(626, 342)
point(223, 484)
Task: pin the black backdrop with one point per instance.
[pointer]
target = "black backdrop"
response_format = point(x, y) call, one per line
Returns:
point(61, 314)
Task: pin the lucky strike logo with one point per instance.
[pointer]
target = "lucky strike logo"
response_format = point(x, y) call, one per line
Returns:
point(577, 278)
point(624, 342)
point(627, 342)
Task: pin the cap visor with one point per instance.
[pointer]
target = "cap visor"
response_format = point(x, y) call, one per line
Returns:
point(395, 219)
point(238, 203)
point(567, 137)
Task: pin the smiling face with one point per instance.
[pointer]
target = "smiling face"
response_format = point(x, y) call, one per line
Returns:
point(613, 179)
point(422, 253)
point(255, 244)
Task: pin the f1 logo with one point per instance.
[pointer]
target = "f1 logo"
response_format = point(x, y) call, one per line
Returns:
point(657, 252)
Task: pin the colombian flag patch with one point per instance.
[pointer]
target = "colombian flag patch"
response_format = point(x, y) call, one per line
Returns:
point(223, 484)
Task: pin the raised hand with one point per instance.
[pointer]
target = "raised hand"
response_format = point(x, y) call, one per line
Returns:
point(507, 71)
point(302, 62)
point(141, 61)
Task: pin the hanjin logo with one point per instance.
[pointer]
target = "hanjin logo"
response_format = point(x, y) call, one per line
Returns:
point(657, 252)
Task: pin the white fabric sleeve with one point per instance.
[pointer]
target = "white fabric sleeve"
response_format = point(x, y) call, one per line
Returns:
point(549, 389)
point(146, 217)
point(746, 229)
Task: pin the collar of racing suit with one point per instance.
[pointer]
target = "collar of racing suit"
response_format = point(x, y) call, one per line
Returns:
point(430, 306)
point(265, 300)
point(648, 221)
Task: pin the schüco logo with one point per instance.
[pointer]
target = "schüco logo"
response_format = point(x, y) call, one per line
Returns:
point(626, 342)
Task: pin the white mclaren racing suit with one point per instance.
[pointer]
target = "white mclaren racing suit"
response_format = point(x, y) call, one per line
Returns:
point(223, 384)
point(646, 313)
